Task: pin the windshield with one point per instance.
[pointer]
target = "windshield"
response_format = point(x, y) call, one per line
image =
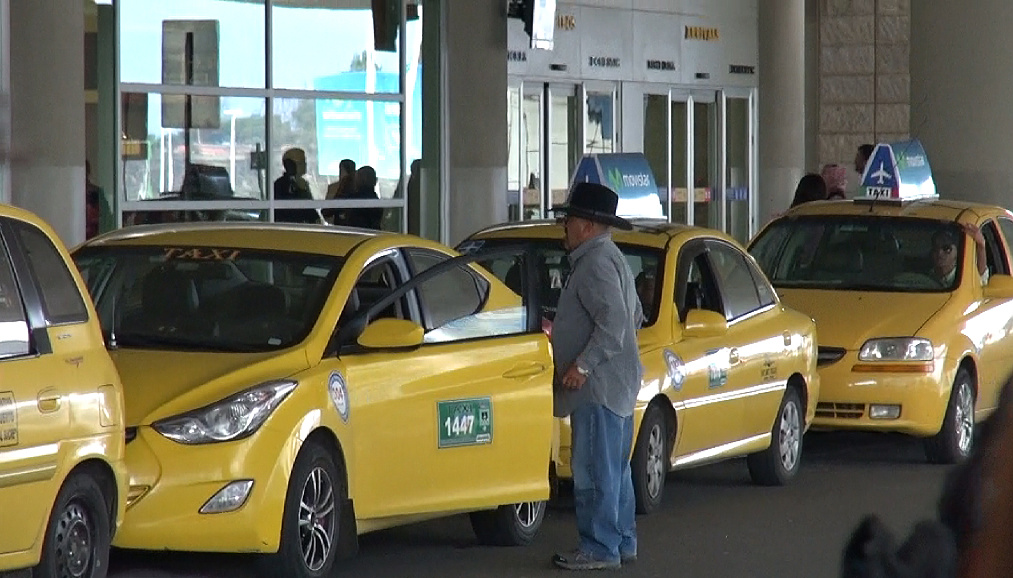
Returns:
point(554, 268)
point(204, 298)
point(861, 253)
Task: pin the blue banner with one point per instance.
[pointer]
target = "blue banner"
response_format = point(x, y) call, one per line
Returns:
point(629, 175)
point(899, 171)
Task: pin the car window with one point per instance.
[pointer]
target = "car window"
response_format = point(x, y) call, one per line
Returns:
point(1006, 225)
point(738, 290)
point(61, 299)
point(994, 253)
point(375, 282)
point(861, 252)
point(207, 298)
point(697, 286)
point(449, 296)
point(14, 339)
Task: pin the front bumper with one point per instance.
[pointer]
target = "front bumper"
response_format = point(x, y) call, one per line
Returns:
point(170, 482)
point(849, 389)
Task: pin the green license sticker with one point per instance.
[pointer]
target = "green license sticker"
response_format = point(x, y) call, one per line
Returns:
point(465, 422)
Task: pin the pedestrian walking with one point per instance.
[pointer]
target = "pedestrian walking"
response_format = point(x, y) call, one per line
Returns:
point(598, 374)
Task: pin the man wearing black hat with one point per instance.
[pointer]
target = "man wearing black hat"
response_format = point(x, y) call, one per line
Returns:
point(598, 373)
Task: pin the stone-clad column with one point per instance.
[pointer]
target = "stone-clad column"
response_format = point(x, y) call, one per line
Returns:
point(782, 104)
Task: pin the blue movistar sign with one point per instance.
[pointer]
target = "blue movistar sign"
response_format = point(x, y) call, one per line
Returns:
point(629, 175)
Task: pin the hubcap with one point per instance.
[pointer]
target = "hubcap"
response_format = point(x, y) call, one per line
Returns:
point(316, 519)
point(965, 419)
point(74, 541)
point(528, 513)
point(655, 461)
point(791, 436)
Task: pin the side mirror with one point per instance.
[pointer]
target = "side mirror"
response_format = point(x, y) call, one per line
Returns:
point(999, 286)
point(704, 323)
point(391, 334)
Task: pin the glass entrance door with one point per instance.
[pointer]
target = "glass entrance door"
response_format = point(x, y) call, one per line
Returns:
point(706, 209)
point(739, 174)
point(565, 141)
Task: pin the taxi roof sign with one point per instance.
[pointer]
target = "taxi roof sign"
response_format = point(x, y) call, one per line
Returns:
point(898, 171)
point(630, 176)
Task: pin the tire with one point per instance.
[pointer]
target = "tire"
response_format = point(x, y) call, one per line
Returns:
point(510, 525)
point(310, 534)
point(955, 439)
point(649, 464)
point(780, 462)
point(78, 533)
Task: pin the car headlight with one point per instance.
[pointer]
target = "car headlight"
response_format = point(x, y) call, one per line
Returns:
point(896, 349)
point(230, 419)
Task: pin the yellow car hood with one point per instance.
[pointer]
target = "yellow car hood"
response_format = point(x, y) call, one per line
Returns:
point(848, 318)
point(160, 384)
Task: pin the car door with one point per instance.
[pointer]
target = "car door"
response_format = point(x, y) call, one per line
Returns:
point(708, 418)
point(464, 420)
point(30, 427)
point(756, 336)
point(994, 317)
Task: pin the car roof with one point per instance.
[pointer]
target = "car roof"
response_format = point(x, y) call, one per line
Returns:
point(315, 239)
point(646, 232)
point(935, 208)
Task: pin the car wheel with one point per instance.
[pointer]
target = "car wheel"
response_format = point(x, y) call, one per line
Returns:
point(311, 521)
point(510, 525)
point(649, 464)
point(955, 439)
point(78, 534)
point(778, 464)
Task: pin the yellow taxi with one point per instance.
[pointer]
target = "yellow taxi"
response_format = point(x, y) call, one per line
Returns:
point(728, 370)
point(913, 338)
point(62, 474)
point(290, 387)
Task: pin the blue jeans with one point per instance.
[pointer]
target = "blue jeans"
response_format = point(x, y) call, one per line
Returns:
point(602, 485)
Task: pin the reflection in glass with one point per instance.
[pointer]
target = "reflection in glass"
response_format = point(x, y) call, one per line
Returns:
point(365, 131)
point(223, 151)
point(323, 48)
point(513, 152)
point(656, 141)
point(680, 165)
point(599, 126)
point(227, 42)
point(531, 136)
point(706, 212)
point(564, 142)
point(737, 159)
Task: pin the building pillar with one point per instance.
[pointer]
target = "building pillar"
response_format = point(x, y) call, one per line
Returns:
point(961, 82)
point(47, 113)
point(782, 137)
point(475, 105)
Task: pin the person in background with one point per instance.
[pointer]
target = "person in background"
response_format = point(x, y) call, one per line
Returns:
point(598, 374)
point(365, 188)
point(811, 187)
point(343, 188)
point(836, 179)
point(92, 204)
point(292, 186)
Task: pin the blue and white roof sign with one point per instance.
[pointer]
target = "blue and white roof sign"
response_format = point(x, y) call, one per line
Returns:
point(899, 171)
point(629, 175)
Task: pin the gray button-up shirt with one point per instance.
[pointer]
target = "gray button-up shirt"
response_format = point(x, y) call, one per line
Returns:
point(596, 326)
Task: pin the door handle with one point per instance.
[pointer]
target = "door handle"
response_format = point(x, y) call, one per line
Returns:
point(787, 338)
point(733, 356)
point(524, 370)
point(48, 400)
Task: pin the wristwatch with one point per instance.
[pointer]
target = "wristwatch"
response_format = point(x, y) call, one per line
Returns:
point(581, 370)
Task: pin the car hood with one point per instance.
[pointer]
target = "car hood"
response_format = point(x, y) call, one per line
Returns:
point(848, 318)
point(160, 384)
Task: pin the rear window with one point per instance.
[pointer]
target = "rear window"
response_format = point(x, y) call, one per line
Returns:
point(61, 298)
point(861, 253)
point(207, 298)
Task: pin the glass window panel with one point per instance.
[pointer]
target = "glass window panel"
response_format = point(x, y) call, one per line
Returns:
point(13, 321)
point(707, 211)
point(514, 152)
point(680, 167)
point(565, 143)
point(737, 159)
point(656, 140)
point(531, 137)
point(367, 132)
point(164, 216)
point(599, 126)
point(228, 42)
point(320, 46)
point(225, 138)
point(61, 298)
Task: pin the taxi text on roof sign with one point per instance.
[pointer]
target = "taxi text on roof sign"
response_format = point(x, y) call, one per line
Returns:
point(899, 171)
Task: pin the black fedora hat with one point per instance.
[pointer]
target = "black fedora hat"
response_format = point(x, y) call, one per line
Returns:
point(594, 202)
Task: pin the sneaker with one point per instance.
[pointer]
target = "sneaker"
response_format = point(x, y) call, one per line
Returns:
point(629, 558)
point(577, 560)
